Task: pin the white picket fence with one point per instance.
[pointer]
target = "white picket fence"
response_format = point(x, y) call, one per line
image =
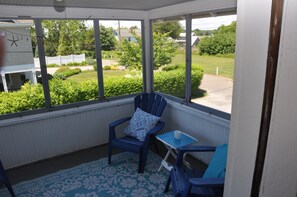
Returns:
point(61, 59)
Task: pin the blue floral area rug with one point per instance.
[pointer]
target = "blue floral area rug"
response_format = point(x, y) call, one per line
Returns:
point(98, 179)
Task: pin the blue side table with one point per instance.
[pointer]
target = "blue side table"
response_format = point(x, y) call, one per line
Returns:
point(172, 144)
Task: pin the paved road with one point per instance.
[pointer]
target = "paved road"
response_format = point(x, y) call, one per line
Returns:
point(83, 68)
point(219, 92)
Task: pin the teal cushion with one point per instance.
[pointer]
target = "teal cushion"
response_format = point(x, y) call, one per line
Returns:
point(140, 124)
point(217, 166)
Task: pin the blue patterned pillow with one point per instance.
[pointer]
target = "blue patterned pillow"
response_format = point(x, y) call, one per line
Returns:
point(140, 124)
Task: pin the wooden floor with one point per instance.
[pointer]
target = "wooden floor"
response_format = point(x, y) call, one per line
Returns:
point(48, 166)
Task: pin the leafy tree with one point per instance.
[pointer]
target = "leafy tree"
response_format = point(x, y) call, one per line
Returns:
point(72, 35)
point(130, 53)
point(63, 37)
point(107, 38)
point(227, 29)
point(222, 42)
point(172, 28)
point(51, 36)
point(199, 32)
point(164, 49)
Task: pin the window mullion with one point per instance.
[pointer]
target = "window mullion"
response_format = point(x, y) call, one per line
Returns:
point(99, 60)
point(41, 53)
point(144, 66)
point(188, 58)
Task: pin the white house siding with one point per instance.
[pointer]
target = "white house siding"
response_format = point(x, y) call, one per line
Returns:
point(41, 136)
point(22, 53)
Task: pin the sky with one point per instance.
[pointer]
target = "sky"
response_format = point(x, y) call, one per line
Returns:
point(209, 23)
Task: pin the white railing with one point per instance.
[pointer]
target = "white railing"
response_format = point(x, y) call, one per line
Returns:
point(61, 59)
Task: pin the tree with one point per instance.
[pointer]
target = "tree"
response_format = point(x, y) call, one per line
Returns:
point(172, 28)
point(51, 36)
point(164, 49)
point(222, 42)
point(72, 35)
point(130, 53)
point(199, 32)
point(107, 38)
point(63, 37)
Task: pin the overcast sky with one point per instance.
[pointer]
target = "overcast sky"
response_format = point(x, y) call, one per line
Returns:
point(209, 23)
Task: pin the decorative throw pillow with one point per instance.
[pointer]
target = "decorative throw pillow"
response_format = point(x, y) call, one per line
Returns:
point(140, 124)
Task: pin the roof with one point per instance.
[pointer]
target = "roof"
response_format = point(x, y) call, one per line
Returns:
point(16, 23)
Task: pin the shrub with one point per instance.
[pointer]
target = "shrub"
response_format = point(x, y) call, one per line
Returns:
point(114, 67)
point(173, 82)
point(171, 67)
point(106, 68)
point(69, 91)
point(116, 86)
point(63, 73)
point(218, 44)
point(73, 64)
point(83, 63)
point(28, 98)
point(52, 65)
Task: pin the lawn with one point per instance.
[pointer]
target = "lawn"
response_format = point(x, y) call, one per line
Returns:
point(210, 63)
point(87, 75)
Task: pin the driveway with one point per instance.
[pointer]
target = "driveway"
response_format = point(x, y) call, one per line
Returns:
point(218, 92)
point(83, 68)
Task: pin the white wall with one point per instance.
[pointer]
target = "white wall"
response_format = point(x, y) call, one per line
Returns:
point(32, 138)
point(280, 170)
point(253, 18)
point(207, 129)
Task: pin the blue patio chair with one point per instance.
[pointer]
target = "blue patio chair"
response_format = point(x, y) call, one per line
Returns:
point(4, 180)
point(187, 182)
point(151, 103)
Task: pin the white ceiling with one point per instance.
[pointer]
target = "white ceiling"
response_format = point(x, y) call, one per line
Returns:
point(108, 4)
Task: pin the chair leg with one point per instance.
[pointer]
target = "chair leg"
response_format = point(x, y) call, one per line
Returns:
point(167, 184)
point(142, 160)
point(155, 145)
point(8, 185)
point(141, 163)
point(109, 153)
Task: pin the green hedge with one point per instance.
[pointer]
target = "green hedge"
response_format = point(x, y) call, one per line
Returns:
point(172, 82)
point(65, 72)
point(69, 91)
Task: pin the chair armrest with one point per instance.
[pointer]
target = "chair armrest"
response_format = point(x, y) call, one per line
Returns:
point(153, 132)
point(186, 149)
point(207, 182)
point(112, 126)
point(157, 128)
point(118, 122)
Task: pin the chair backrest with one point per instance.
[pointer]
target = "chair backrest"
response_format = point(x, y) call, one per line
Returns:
point(151, 103)
point(217, 166)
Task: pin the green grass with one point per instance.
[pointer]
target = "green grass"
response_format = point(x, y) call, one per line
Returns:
point(87, 75)
point(210, 63)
